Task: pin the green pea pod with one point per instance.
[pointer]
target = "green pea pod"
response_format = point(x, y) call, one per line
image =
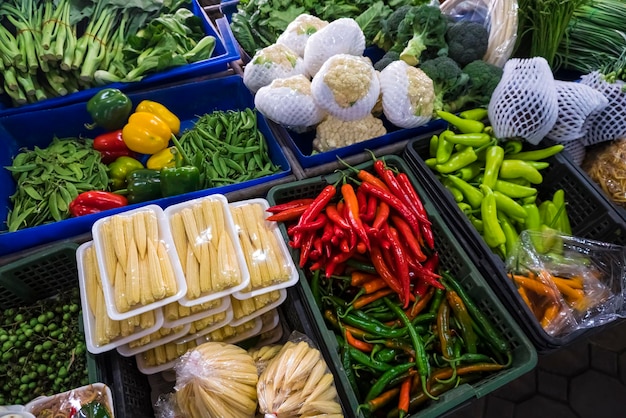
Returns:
point(471, 140)
point(432, 148)
point(513, 147)
point(466, 126)
point(509, 206)
point(472, 195)
point(456, 193)
point(469, 172)
point(478, 113)
point(493, 233)
point(535, 155)
point(509, 232)
point(457, 161)
point(493, 161)
point(511, 169)
point(514, 190)
point(444, 147)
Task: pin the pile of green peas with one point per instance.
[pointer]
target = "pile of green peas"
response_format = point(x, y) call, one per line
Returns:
point(42, 349)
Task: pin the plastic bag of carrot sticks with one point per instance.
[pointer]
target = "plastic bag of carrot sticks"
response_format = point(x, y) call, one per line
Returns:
point(569, 283)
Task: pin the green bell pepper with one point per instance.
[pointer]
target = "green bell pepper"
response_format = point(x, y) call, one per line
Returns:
point(120, 169)
point(143, 185)
point(109, 109)
point(179, 180)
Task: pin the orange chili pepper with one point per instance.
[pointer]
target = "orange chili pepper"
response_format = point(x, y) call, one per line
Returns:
point(358, 344)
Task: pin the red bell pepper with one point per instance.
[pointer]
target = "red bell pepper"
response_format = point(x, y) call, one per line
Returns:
point(112, 146)
point(95, 201)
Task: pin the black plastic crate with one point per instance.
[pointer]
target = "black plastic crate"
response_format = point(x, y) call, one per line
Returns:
point(302, 313)
point(592, 215)
point(130, 388)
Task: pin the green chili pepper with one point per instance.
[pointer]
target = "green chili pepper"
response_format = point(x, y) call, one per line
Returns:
point(511, 169)
point(465, 208)
point(477, 223)
point(436, 301)
point(469, 172)
point(373, 328)
point(456, 193)
point(478, 113)
point(513, 147)
point(382, 382)
point(509, 232)
point(547, 213)
point(179, 180)
point(492, 231)
point(466, 126)
point(120, 169)
point(143, 185)
point(539, 154)
point(509, 206)
point(430, 162)
point(514, 190)
point(533, 223)
point(471, 140)
point(539, 165)
point(457, 161)
point(472, 195)
point(464, 321)
point(368, 362)
point(432, 148)
point(559, 201)
point(346, 360)
point(529, 199)
point(386, 354)
point(109, 108)
point(493, 161)
point(444, 147)
point(551, 240)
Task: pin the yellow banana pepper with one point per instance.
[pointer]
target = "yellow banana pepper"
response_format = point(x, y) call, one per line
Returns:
point(162, 159)
point(161, 111)
point(146, 133)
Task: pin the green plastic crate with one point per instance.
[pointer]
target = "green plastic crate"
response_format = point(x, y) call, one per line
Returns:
point(303, 315)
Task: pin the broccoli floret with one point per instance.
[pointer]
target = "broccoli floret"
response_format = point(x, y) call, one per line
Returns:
point(467, 41)
point(448, 79)
point(483, 78)
point(422, 27)
point(387, 59)
point(384, 39)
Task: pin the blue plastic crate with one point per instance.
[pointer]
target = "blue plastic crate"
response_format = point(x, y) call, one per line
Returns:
point(226, 51)
point(187, 101)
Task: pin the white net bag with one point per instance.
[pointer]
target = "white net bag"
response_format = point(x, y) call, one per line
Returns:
point(270, 63)
point(609, 123)
point(298, 32)
point(408, 95)
point(341, 36)
point(524, 104)
point(288, 101)
point(576, 102)
point(576, 150)
point(346, 86)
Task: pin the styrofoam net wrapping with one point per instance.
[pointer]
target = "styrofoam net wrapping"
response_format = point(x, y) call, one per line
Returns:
point(576, 150)
point(576, 102)
point(346, 86)
point(609, 123)
point(288, 101)
point(298, 32)
point(524, 104)
point(270, 63)
point(341, 36)
point(408, 95)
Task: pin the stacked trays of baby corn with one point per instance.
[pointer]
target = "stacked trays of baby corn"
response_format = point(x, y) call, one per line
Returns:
point(155, 283)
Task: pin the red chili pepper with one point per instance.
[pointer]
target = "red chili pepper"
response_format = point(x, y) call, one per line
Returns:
point(362, 201)
point(383, 270)
point(111, 146)
point(404, 398)
point(344, 245)
point(366, 176)
point(382, 214)
point(313, 210)
point(289, 205)
point(432, 262)
point(333, 215)
point(421, 288)
point(423, 275)
point(370, 211)
point(409, 238)
point(327, 233)
point(403, 195)
point(95, 201)
point(307, 247)
point(288, 214)
point(418, 208)
point(317, 223)
point(352, 212)
point(335, 262)
point(338, 232)
point(394, 203)
point(361, 248)
point(401, 264)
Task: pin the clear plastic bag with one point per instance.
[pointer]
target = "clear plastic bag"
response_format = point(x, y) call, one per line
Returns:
point(498, 16)
point(297, 382)
point(569, 283)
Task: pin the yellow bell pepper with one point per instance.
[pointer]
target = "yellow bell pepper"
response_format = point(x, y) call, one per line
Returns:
point(162, 159)
point(161, 111)
point(146, 133)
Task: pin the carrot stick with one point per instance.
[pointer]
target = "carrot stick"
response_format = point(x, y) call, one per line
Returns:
point(534, 286)
point(550, 313)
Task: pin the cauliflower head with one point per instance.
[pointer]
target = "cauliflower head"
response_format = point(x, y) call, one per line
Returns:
point(346, 86)
point(335, 133)
point(408, 95)
point(288, 102)
point(270, 63)
point(341, 36)
point(298, 32)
